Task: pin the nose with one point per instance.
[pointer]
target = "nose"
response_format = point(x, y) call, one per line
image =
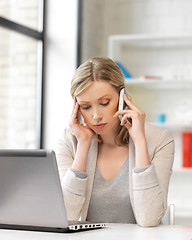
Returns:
point(97, 116)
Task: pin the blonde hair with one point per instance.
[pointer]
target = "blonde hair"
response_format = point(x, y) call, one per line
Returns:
point(100, 69)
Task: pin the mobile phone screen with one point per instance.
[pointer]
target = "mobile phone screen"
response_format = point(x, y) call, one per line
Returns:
point(122, 104)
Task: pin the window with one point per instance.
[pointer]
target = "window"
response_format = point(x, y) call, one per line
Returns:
point(27, 13)
point(21, 73)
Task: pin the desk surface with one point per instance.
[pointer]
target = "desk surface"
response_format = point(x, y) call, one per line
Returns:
point(112, 232)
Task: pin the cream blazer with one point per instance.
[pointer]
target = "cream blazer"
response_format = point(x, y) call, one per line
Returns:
point(148, 189)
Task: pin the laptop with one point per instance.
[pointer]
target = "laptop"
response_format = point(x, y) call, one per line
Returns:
point(31, 197)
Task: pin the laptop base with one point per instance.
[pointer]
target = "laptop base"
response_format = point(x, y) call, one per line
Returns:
point(34, 228)
point(70, 229)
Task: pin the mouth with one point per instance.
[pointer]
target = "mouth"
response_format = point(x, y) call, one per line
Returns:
point(100, 126)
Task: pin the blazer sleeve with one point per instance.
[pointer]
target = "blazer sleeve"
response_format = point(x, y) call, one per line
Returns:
point(73, 187)
point(150, 187)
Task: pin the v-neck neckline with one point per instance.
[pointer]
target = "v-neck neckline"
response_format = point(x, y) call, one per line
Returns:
point(115, 176)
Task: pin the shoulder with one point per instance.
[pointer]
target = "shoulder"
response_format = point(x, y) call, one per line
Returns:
point(67, 140)
point(68, 135)
point(158, 137)
point(157, 133)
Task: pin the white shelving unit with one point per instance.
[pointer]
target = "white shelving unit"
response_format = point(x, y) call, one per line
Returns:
point(167, 61)
point(167, 57)
point(151, 54)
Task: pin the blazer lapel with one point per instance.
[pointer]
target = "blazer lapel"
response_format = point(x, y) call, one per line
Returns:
point(91, 165)
point(131, 166)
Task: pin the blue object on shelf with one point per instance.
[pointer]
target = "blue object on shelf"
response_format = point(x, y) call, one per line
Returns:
point(161, 117)
point(126, 74)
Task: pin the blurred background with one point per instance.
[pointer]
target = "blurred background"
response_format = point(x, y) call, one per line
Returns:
point(42, 42)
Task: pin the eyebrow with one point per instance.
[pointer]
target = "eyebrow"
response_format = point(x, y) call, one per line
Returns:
point(85, 102)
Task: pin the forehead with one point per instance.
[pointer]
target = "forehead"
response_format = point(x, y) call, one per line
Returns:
point(96, 90)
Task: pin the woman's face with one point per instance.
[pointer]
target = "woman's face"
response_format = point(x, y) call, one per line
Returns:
point(98, 104)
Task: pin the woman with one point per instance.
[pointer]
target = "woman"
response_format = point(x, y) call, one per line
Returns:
point(112, 170)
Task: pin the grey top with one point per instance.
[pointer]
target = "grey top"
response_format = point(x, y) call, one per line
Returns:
point(110, 201)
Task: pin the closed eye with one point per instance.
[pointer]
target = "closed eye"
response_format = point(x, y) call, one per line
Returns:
point(105, 104)
point(85, 107)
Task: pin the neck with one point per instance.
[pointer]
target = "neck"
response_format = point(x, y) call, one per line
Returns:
point(109, 138)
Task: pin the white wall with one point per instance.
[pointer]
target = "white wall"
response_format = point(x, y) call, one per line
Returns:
point(60, 63)
point(131, 17)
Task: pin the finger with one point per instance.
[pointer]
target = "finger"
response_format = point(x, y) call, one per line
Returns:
point(75, 114)
point(74, 102)
point(126, 118)
point(76, 108)
point(126, 121)
point(130, 104)
point(128, 125)
point(122, 112)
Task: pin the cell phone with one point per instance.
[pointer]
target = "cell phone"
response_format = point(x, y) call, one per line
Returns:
point(122, 104)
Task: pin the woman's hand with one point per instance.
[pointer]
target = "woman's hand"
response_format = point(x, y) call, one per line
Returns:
point(82, 132)
point(83, 135)
point(136, 126)
point(137, 131)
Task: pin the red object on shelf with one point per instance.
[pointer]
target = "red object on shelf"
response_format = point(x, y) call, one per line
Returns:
point(151, 77)
point(186, 149)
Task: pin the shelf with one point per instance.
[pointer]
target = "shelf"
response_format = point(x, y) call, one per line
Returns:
point(182, 170)
point(151, 41)
point(173, 126)
point(183, 212)
point(169, 56)
point(154, 83)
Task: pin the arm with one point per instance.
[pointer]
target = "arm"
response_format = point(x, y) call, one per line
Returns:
point(136, 129)
point(72, 156)
point(150, 187)
point(73, 187)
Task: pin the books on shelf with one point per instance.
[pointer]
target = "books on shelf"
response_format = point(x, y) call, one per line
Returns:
point(186, 149)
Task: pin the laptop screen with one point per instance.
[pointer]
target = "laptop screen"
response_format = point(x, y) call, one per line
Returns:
point(30, 190)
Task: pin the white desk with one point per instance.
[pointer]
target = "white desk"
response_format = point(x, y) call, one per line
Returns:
point(111, 232)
